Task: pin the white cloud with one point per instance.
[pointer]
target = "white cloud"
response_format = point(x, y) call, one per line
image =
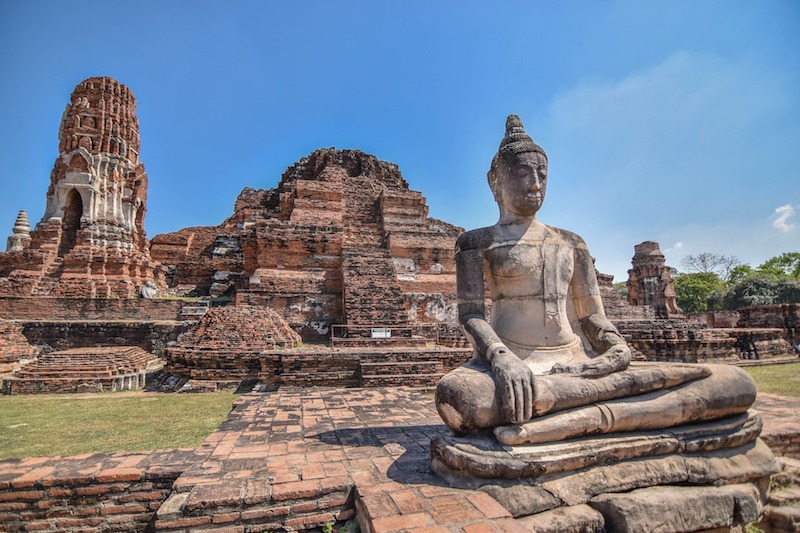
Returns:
point(782, 216)
point(677, 246)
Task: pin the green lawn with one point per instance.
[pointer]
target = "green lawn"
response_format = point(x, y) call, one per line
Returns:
point(777, 379)
point(47, 425)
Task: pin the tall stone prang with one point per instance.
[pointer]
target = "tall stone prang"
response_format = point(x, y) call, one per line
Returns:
point(650, 282)
point(91, 240)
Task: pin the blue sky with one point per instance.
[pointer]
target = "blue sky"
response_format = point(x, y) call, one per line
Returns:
point(676, 121)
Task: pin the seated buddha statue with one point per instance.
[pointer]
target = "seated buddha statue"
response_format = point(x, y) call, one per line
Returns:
point(549, 365)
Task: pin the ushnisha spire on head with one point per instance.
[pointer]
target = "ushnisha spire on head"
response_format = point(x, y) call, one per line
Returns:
point(516, 140)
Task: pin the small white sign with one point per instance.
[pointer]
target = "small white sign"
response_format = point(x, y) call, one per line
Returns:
point(381, 333)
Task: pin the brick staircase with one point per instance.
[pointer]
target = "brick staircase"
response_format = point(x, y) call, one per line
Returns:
point(371, 292)
point(395, 369)
point(48, 281)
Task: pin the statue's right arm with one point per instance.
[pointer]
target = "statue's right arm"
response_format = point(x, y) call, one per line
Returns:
point(512, 377)
point(470, 293)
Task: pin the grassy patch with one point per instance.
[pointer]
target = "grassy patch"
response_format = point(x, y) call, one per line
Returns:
point(47, 425)
point(777, 379)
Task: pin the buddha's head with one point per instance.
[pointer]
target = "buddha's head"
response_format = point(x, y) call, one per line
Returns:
point(518, 175)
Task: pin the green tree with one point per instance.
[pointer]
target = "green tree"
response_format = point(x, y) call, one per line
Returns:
point(693, 290)
point(761, 288)
point(738, 273)
point(787, 264)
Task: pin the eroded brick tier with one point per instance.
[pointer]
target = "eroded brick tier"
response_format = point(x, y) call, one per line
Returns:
point(342, 239)
point(783, 316)
point(84, 370)
point(228, 342)
point(91, 241)
point(13, 345)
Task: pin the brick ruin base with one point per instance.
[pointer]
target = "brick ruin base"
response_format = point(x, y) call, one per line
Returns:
point(320, 366)
point(694, 342)
point(152, 337)
point(296, 459)
point(67, 323)
point(97, 369)
point(91, 492)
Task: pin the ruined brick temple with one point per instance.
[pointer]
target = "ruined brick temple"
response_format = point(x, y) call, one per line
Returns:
point(91, 241)
point(341, 240)
point(650, 281)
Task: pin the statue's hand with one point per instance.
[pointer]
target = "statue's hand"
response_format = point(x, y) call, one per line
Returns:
point(514, 382)
point(614, 359)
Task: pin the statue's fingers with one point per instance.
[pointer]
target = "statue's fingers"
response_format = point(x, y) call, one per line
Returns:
point(506, 391)
point(519, 400)
point(528, 392)
point(512, 402)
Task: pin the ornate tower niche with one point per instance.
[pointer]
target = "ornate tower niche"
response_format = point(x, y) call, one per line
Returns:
point(91, 240)
point(650, 281)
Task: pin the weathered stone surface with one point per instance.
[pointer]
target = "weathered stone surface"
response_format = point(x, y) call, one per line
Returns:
point(483, 457)
point(574, 519)
point(91, 240)
point(151, 336)
point(689, 341)
point(523, 499)
point(679, 509)
point(87, 309)
point(360, 366)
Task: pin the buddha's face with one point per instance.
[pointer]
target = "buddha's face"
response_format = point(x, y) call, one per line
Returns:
point(523, 182)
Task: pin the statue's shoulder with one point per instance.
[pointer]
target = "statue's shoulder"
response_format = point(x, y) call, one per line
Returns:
point(476, 239)
point(569, 237)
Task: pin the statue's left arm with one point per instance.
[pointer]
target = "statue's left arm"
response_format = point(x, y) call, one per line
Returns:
point(612, 351)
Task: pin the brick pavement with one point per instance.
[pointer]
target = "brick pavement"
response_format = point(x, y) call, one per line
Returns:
point(307, 457)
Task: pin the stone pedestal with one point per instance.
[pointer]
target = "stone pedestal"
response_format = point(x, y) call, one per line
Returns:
point(636, 481)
